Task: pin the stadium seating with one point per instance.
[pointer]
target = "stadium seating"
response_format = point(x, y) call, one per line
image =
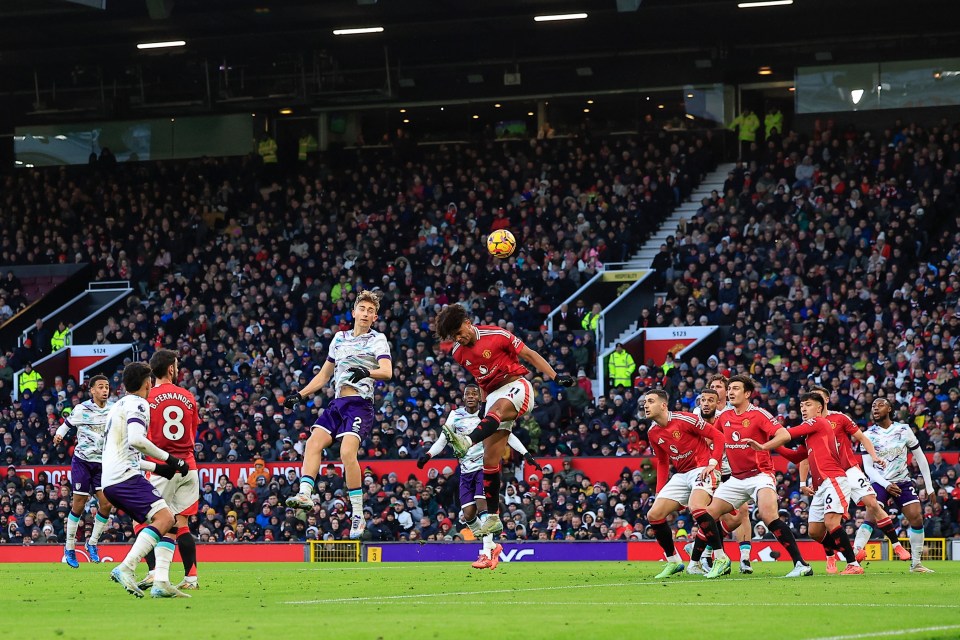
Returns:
point(270, 279)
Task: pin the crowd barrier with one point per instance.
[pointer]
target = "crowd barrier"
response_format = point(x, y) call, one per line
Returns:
point(555, 551)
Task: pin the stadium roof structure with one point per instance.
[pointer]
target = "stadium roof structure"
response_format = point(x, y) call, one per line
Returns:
point(63, 55)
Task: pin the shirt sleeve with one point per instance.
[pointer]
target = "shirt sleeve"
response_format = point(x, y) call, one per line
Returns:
point(912, 442)
point(332, 351)
point(804, 429)
point(382, 348)
point(514, 344)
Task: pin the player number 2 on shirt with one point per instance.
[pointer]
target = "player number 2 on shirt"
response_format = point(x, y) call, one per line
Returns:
point(173, 423)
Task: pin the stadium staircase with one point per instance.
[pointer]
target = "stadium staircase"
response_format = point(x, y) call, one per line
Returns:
point(87, 312)
point(624, 289)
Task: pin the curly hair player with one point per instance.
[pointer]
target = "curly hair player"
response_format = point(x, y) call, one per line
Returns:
point(492, 355)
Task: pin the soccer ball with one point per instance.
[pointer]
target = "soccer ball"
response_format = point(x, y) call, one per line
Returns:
point(501, 243)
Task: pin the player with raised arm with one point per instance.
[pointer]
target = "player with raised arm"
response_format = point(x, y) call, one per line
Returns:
point(692, 447)
point(174, 416)
point(752, 471)
point(492, 355)
point(861, 492)
point(472, 502)
point(126, 488)
point(89, 418)
point(738, 521)
point(893, 440)
point(831, 489)
point(356, 359)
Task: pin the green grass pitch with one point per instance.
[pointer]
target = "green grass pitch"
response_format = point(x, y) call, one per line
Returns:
point(616, 600)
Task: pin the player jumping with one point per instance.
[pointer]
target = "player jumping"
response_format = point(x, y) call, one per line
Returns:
point(173, 427)
point(89, 418)
point(355, 360)
point(893, 440)
point(831, 489)
point(126, 488)
point(492, 355)
point(752, 471)
point(464, 420)
point(691, 446)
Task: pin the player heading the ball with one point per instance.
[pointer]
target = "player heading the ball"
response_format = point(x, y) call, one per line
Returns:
point(492, 355)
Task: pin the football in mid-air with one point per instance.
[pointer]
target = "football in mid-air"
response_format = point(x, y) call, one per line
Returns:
point(501, 243)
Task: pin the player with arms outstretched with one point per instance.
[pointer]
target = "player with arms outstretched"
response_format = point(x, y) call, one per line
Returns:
point(126, 488)
point(752, 471)
point(893, 441)
point(174, 416)
point(464, 420)
point(692, 447)
point(861, 492)
point(492, 355)
point(831, 489)
point(89, 418)
point(355, 360)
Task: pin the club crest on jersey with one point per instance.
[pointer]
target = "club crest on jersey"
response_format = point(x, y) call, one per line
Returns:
point(735, 436)
point(746, 423)
point(833, 425)
point(487, 353)
point(676, 434)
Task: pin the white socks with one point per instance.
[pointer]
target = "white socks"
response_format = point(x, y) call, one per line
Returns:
point(73, 521)
point(144, 543)
point(916, 545)
point(863, 536)
point(164, 555)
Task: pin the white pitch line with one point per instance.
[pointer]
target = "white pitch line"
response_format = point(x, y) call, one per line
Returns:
point(891, 633)
point(632, 603)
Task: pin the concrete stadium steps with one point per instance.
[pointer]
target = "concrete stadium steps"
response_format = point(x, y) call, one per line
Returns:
point(714, 181)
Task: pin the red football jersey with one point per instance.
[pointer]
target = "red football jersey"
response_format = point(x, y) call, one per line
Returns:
point(685, 442)
point(844, 429)
point(754, 423)
point(173, 421)
point(492, 358)
point(822, 450)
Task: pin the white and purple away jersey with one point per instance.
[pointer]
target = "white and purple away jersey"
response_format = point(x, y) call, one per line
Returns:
point(464, 423)
point(348, 350)
point(90, 421)
point(120, 460)
point(892, 445)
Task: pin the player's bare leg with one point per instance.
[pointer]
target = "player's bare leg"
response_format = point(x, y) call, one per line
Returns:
point(767, 507)
point(493, 449)
point(914, 515)
point(877, 517)
point(349, 446)
point(312, 457)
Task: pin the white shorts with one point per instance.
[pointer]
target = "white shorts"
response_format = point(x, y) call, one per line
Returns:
point(681, 485)
point(736, 491)
point(182, 493)
point(860, 487)
point(519, 393)
point(832, 497)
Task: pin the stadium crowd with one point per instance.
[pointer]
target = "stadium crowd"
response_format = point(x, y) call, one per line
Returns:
point(845, 274)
